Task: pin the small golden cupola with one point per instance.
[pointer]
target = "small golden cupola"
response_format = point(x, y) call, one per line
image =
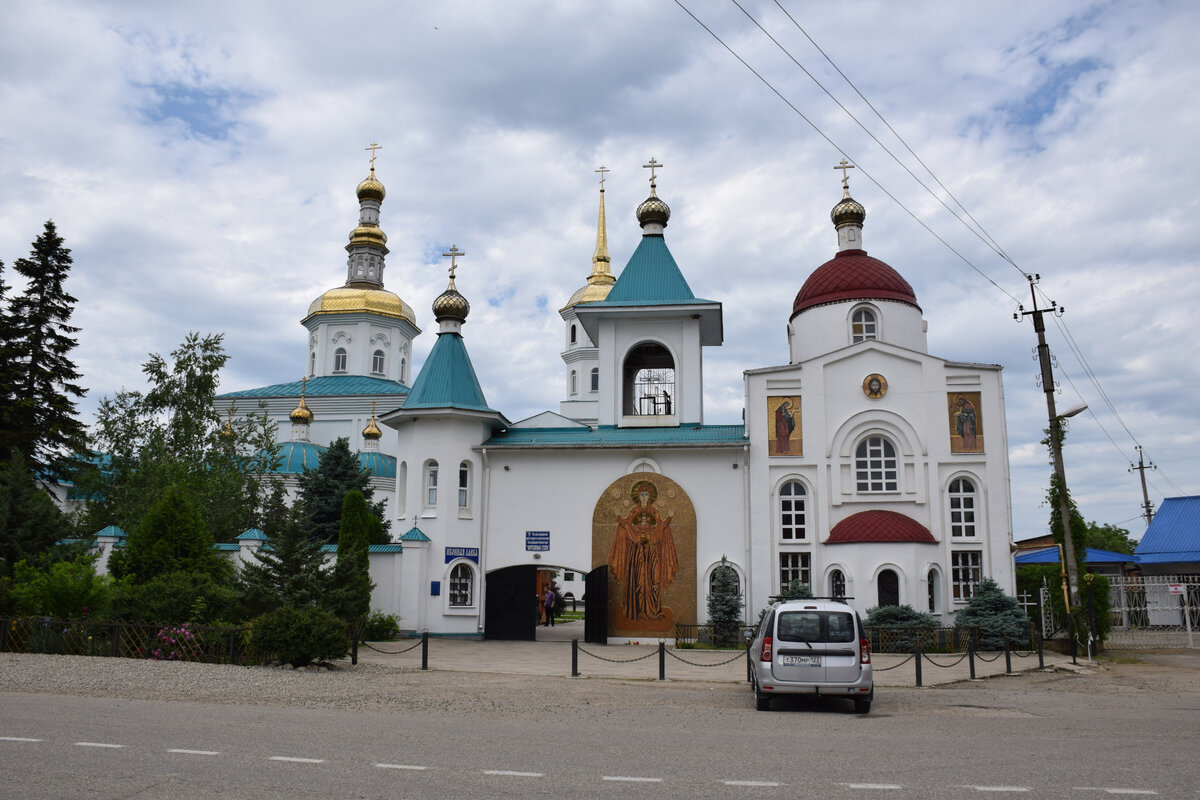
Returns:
point(301, 417)
point(451, 308)
point(653, 213)
point(371, 434)
point(848, 215)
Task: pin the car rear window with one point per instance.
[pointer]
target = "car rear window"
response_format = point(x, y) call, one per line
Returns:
point(815, 626)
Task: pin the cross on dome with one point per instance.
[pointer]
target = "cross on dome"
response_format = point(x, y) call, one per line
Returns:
point(453, 253)
point(843, 166)
point(653, 165)
point(603, 169)
point(373, 147)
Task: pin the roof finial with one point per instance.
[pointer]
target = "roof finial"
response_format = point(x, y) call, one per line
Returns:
point(373, 147)
point(453, 253)
point(845, 165)
point(603, 169)
point(653, 165)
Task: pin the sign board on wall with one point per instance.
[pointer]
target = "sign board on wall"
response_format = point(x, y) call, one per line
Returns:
point(537, 541)
point(469, 553)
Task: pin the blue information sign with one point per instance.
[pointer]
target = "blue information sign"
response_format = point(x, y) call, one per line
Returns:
point(537, 541)
point(470, 553)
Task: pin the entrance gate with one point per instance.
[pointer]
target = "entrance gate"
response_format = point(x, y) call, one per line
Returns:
point(595, 607)
point(512, 604)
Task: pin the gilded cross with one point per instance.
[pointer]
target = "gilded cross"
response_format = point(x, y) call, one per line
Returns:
point(603, 169)
point(454, 253)
point(845, 165)
point(373, 148)
point(653, 165)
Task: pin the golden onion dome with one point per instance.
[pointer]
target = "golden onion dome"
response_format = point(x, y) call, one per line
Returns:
point(227, 432)
point(371, 188)
point(653, 210)
point(368, 234)
point(300, 414)
point(451, 305)
point(848, 211)
point(372, 430)
point(362, 299)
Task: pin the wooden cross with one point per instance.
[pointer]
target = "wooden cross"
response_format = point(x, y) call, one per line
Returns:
point(603, 169)
point(373, 148)
point(845, 165)
point(454, 253)
point(653, 165)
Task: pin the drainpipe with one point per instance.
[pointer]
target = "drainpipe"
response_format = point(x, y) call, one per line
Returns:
point(484, 497)
point(746, 525)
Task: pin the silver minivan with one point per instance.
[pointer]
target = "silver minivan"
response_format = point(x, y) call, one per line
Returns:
point(812, 646)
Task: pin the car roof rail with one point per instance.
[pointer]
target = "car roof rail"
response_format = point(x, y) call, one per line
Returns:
point(780, 597)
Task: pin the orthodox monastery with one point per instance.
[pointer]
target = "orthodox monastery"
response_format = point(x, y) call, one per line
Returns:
point(866, 467)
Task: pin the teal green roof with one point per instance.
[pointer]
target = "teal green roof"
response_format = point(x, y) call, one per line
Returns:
point(375, 548)
point(447, 379)
point(414, 534)
point(651, 278)
point(378, 465)
point(228, 547)
point(252, 535)
point(327, 386)
point(607, 436)
point(112, 531)
point(295, 457)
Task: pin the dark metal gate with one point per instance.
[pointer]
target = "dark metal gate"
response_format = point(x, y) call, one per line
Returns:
point(595, 620)
point(512, 605)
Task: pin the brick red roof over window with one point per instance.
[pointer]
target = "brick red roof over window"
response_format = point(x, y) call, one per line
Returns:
point(853, 275)
point(879, 526)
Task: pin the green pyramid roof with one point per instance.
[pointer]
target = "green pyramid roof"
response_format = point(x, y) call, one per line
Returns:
point(447, 379)
point(650, 278)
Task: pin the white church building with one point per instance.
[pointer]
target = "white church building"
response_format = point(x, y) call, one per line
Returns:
point(866, 467)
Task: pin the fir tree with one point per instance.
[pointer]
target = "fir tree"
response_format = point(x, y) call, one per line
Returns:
point(291, 569)
point(323, 491)
point(30, 522)
point(39, 416)
point(352, 577)
point(171, 537)
point(996, 615)
point(725, 605)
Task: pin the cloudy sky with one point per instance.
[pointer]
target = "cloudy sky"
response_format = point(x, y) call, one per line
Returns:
point(200, 161)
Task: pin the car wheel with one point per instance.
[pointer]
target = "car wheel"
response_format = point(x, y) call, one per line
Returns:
point(762, 702)
point(862, 705)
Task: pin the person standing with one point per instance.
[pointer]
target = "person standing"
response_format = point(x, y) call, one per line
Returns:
point(548, 604)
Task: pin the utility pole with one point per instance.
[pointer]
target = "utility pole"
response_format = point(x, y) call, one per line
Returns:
point(1147, 506)
point(1048, 386)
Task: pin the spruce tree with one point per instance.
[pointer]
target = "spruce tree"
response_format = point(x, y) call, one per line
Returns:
point(39, 416)
point(291, 568)
point(323, 491)
point(171, 537)
point(996, 615)
point(724, 605)
point(30, 522)
point(352, 577)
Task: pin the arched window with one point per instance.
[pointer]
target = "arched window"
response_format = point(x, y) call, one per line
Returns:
point(934, 582)
point(574, 335)
point(862, 325)
point(875, 466)
point(712, 579)
point(377, 362)
point(837, 583)
point(464, 485)
point(312, 364)
point(431, 484)
point(962, 508)
point(791, 510)
point(402, 489)
point(595, 379)
point(889, 588)
point(339, 360)
point(648, 381)
point(574, 382)
point(403, 369)
point(462, 585)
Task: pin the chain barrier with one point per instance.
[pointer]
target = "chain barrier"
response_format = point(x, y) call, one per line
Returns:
point(1026, 654)
point(619, 660)
point(988, 660)
point(929, 658)
point(718, 664)
point(893, 666)
point(391, 652)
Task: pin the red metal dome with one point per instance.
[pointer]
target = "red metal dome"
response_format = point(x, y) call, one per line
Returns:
point(853, 275)
point(879, 526)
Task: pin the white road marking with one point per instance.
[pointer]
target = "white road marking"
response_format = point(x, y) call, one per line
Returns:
point(630, 779)
point(195, 752)
point(1111, 790)
point(999, 788)
point(98, 744)
point(295, 760)
point(17, 739)
point(400, 766)
point(888, 786)
point(513, 774)
point(751, 783)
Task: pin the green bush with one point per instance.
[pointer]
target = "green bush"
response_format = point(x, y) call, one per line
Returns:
point(195, 597)
point(63, 590)
point(898, 616)
point(380, 627)
point(299, 636)
point(996, 615)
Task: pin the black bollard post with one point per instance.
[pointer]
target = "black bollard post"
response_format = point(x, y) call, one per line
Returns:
point(575, 658)
point(1071, 633)
point(971, 656)
point(424, 649)
point(1007, 656)
point(917, 657)
point(1041, 651)
point(1093, 639)
point(662, 660)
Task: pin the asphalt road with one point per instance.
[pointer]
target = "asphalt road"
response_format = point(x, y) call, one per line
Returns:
point(1127, 729)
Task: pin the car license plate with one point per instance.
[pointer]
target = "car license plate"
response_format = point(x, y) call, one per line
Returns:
point(800, 661)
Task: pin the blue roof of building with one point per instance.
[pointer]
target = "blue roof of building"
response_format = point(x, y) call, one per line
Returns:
point(327, 386)
point(447, 379)
point(296, 457)
point(112, 531)
point(1174, 533)
point(252, 535)
point(1092, 555)
point(609, 436)
point(650, 278)
point(227, 547)
point(414, 534)
point(377, 465)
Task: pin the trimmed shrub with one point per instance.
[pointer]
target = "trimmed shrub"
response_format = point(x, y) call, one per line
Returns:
point(381, 627)
point(996, 615)
point(299, 636)
point(905, 616)
point(63, 590)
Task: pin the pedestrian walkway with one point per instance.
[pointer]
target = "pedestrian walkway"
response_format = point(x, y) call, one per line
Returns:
point(550, 655)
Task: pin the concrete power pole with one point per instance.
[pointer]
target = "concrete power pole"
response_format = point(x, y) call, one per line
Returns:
point(1147, 506)
point(1048, 386)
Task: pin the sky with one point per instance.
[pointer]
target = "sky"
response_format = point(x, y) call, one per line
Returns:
point(200, 161)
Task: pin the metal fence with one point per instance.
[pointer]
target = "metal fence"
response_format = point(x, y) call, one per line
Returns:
point(175, 642)
point(1151, 611)
point(903, 638)
point(704, 636)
